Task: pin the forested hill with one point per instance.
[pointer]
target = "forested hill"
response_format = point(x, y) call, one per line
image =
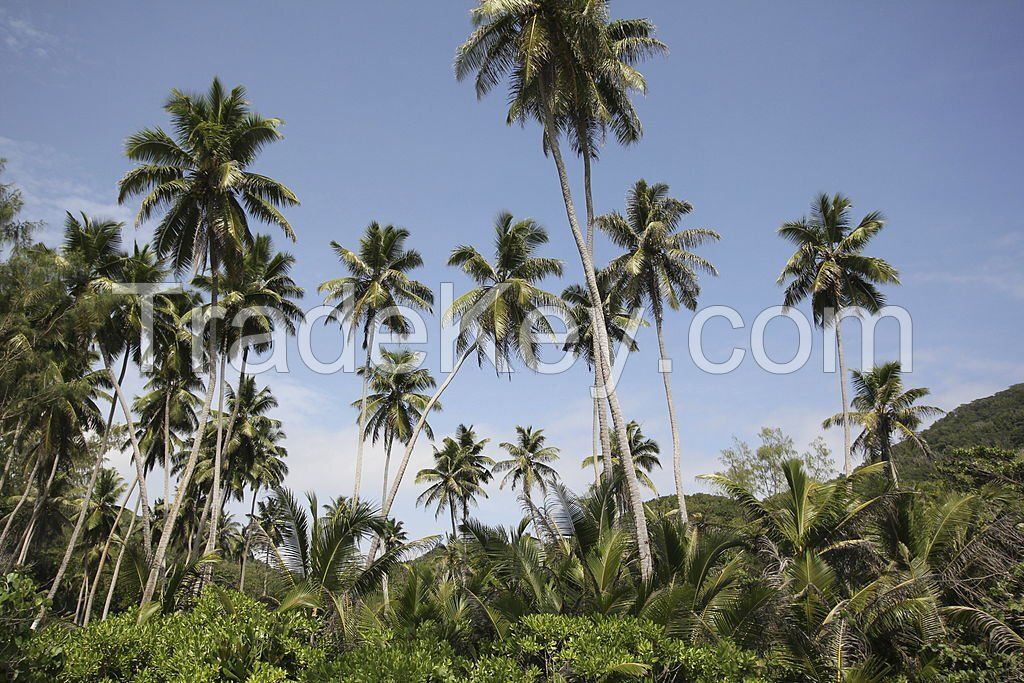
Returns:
point(996, 420)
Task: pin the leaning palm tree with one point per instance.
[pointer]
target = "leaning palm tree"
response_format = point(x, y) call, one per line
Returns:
point(377, 284)
point(498, 312)
point(257, 297)
point(659, 268)
point(201, 179)
point(829, 266)
point(645, 458)
point(396, 402)
point(559, 59)
point(528, 466)
point(886, 411)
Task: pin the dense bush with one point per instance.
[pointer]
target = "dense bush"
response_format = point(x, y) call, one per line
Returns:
point(20, 601)
point(227, 636)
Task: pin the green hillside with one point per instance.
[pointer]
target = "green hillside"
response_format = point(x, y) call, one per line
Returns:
point(996, 420)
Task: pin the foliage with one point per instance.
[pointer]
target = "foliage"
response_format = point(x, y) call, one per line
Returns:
point(760, 469)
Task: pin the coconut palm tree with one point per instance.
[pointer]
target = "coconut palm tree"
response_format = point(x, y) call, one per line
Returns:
point(886, 411)
point(657, 269)
point(581, 340)
point(201, 179)
point(377, 284)
point(528, 466)
point(396, 402)
point(497, 312)
point(830, 268)
point(645, 457)
point(257, 297)
point(558, 57)
point(457, 477)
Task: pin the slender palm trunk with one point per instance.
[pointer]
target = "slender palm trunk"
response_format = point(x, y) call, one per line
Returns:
point(847, 462)
point(9, 524)
point(190, 466)
point(233, 420)
point(167, 449)
point(197, 537)
point(140, 464)
point(361, 437)
point(596, 441)
point(120, 558)
point(604, 352)
point(390, 499)
point(103, 556)
point(455, 527)
point(84, 511)
point(218, 465)
point(677, 464)
point(602, 418)
point(387, 466)
point(36, 510)
point(248, 537)
point(78, 602)
point(10, 456)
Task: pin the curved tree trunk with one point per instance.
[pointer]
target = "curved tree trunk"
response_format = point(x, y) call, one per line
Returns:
point(140, 464)
point(387, 466)
point(218, 466)
point(36, 509)
point(103, 556)
point(361, 437)
point(677, 465)
point(604, 352)
point(248, 538)
point(190, 466)
point(83, 513)
point(9, 524)
point(387, 503)
point(120, 557)
point(602, 417)
point(847, 460)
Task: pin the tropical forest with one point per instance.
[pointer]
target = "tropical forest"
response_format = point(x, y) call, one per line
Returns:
point(433, 382)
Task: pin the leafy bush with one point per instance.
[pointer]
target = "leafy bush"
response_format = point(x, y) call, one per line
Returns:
point(20, 601)
point(386, 659)
point(227, 637)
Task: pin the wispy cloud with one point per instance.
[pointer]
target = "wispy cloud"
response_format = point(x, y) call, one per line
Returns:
point(1000, 272)
point(22, 37)
point(52, 183)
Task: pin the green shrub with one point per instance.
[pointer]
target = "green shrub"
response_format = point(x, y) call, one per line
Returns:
point(20, 601)
point(386, 659)
point(226, 637)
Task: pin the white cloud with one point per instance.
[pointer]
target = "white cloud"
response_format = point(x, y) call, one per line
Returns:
point(21, 37)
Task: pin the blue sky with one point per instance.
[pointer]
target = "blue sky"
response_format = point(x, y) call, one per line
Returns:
point(913, 108)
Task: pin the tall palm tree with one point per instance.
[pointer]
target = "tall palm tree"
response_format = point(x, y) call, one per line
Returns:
point(201, 179)
point(396, 402)
point(528, 466)
point(474, 461)
point(581, 342)
point(659, 268)
point(455, 481)
point(378, 282)
point(257, 297)
point(829, 266)
point(559, 58)
point(886, 411)
point(497, 311)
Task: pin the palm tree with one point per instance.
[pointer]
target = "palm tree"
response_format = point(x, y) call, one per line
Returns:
point(257, 297)
point(645, 458)
point(658, 268)
point(474, 461)
point(497, 312)
point(829, 267)
point(886, 411)
point(457, 477)
point(396, 402)
point(528, 467)
point(581, 340)
point(202, 178)
point(562, 61)
point(378, 282)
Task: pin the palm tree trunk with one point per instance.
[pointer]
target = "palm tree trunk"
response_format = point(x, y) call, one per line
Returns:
point(103, 556)
point(677, 464)
point(140, 465)
point(455, 529)
point(387, 466)
point(847, 462)
point(10, 456)
point(390, 499)
point(218, 465)
point(248, 537)
point(602, 417)
point(78, 603)
point(21, 501)
point(36, 509)
point(238, 404)
point(120, 557)
point(167, 448)
point(190, 466)
point(84, 511)
point(604, 352)
point(595, 425)
point(361, 437)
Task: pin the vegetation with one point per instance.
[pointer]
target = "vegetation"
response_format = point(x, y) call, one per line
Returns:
point(794, 573)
